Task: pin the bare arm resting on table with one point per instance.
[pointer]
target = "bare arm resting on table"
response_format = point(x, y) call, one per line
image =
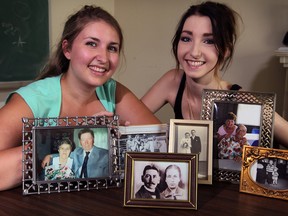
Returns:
point(130, 109)
point(11, 141)
point(163, 91)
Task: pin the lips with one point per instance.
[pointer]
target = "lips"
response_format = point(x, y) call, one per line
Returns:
point(195, 63)
point(98, 69)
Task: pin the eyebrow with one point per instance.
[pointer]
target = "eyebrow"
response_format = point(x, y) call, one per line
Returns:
point(190, 33)
point(96, 39)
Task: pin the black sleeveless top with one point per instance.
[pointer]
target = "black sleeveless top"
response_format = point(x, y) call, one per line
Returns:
point(178, 100)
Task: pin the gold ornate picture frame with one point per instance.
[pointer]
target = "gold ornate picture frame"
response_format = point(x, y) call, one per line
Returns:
point(181, 140)
point(254, 110)
point(61, 141)
point(264, 172)
point(156, 172)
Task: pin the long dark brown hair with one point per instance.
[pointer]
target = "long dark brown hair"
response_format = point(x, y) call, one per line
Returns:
point(224, 26)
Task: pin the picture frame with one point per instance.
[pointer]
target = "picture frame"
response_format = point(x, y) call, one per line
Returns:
point(255, 115)
point(264, 172)
point(141, 167)
point(142, 138)
point(53, 154)
point(202, 142)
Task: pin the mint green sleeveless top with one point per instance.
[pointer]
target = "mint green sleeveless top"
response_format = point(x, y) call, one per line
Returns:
point(44, 96)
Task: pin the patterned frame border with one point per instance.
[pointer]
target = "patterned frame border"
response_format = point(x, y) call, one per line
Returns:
point(250, 156)
point(266, 100)
point(30, 186)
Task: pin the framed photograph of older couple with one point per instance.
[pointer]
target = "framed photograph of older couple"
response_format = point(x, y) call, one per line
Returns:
point(265, 172)
point(194, 136)
point(240, 118)
point(161, 180)
point(69, 154)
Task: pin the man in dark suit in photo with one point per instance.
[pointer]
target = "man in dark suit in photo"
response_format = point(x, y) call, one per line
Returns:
point(195, 142)
point(89, 161)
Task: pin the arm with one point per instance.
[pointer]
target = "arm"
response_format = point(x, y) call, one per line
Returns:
point(281, 130)
point(47, 159)
point(163, 91)
point(131, 109)
point(11, 141)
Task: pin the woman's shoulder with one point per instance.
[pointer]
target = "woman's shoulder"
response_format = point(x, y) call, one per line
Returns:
point(170, 82)
point(173, 75)
point(43, 86)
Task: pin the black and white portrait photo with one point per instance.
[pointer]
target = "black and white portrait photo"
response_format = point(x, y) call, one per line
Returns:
point(161, 180)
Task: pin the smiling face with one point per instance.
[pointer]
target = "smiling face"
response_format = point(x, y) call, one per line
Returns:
point(94, 54)
point(241, 131)
point(197, 53)
point(64, 150)
point(230, 123)
point(86, 141)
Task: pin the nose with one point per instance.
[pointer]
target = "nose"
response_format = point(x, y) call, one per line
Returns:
point(102, 55)
point(195, 50)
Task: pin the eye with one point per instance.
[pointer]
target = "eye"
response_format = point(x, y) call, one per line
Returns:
point(113, 48)
point(209, 41)
point(91, 43)
point(185, 39)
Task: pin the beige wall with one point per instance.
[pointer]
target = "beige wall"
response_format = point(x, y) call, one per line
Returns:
point(149, 26)
point(59, 10)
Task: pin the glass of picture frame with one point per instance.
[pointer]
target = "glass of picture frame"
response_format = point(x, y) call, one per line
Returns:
point(54, 150)
point(253, 110)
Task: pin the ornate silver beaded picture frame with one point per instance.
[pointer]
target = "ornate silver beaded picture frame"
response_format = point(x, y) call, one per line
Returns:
point(70, 154)
point(253, 113)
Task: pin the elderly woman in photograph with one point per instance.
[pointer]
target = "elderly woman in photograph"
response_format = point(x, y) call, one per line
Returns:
point(172, 177)
point(232, 147)
point(61, 166)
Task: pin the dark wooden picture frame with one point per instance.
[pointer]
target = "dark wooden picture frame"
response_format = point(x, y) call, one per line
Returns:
point(158, 164)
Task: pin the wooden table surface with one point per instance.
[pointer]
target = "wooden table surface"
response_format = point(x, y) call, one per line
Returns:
point(221, 198)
